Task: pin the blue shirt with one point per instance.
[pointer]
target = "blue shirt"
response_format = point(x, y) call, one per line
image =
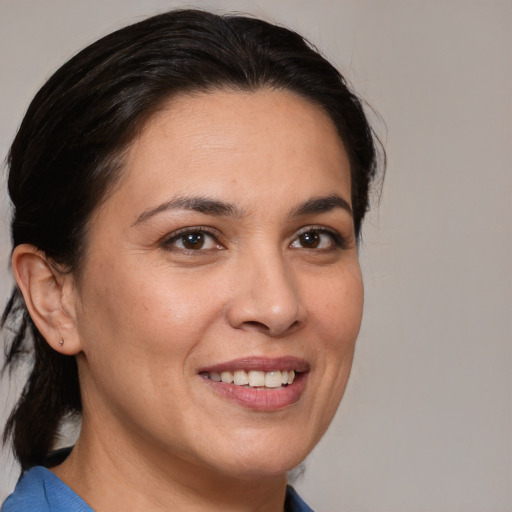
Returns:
point(39, 490)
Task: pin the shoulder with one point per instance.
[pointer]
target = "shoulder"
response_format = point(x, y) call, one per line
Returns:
point(39, 490)
point(29, 493)
point(294, 503)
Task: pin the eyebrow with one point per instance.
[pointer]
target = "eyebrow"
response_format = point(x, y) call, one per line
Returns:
point(217, 208)
point(321, 205)
point(198, 204)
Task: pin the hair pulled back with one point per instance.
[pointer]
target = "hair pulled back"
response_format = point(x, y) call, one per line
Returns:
point(68, 153)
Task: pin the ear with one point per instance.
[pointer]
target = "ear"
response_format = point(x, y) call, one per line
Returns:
point(49, 296)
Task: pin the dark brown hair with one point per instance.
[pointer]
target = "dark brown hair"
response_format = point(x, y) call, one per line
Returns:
point(67, 155)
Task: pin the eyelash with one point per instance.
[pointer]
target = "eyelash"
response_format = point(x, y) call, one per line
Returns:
point(338, 241)
point(169, 242)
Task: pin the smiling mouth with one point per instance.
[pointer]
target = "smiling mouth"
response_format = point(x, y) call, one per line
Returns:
point(253, 378)
point(262, 384)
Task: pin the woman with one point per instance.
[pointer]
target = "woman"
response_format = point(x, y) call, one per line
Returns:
point(188, 194)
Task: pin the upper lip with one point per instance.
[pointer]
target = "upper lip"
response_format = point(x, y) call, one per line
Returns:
point(264, 364)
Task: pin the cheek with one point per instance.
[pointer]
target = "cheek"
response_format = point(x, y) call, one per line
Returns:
point(338, 309)
point(143, 315)
point(335, 319)
point(338, 313)
point(137, 330)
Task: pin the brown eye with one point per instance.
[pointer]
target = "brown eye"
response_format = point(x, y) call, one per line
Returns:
point(317, 238)
point(193, 241)
point(310, 240)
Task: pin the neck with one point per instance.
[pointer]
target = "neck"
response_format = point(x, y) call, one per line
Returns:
point(113, 474)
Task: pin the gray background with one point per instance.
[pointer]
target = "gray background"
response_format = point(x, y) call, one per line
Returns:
point(426, 423)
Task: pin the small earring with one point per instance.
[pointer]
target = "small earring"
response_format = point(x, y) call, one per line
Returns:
point(61, 342)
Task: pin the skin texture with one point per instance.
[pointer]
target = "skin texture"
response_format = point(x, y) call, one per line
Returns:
point(148, 314)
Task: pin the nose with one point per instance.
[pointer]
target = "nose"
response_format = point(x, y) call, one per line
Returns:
point(266, 297)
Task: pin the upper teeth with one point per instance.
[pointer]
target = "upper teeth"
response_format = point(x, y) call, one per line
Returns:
point(254, 378)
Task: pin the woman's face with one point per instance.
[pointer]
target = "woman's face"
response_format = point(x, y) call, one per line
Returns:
point(227, 251)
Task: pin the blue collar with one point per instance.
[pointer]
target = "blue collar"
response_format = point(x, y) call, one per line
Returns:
point(39, 489)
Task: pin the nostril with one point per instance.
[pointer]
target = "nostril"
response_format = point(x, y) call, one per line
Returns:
point(272, 330)
point(257, 325)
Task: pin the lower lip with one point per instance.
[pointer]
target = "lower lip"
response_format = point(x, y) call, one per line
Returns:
point(261, 399)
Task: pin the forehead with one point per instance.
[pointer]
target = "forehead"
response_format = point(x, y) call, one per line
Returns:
point(236, 145)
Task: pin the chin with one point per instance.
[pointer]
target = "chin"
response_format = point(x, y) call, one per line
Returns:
point(265, 459)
